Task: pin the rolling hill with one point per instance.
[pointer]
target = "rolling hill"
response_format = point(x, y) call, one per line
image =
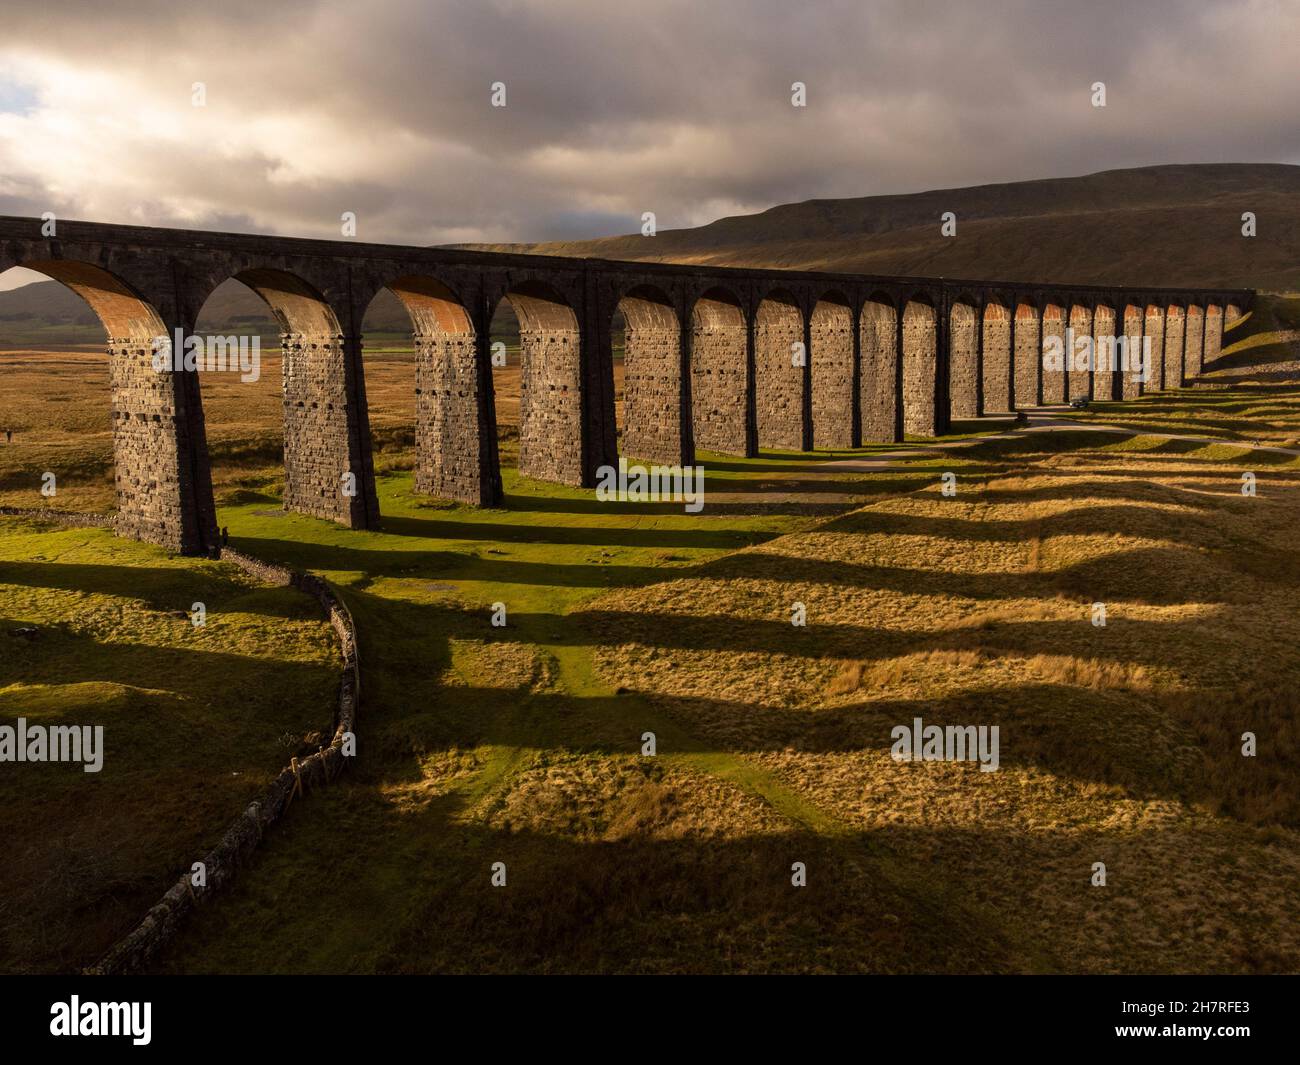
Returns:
point(1159, 225)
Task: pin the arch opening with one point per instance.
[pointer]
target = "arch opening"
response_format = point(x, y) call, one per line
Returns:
point(155, 443)
point(328, 468)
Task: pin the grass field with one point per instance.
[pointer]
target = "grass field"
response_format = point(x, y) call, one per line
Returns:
point(196, 722)
point(522, 744)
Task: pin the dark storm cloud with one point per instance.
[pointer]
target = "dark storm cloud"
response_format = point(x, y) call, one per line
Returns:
point(315, 108)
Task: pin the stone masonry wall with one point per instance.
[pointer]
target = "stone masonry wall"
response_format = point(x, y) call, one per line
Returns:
point(550, 405)
point(1029, 356)
point(322, 431)
point(997, 359)
point(652, 391)
point(963, 361)
point(832, 376)
point(878, 381)
point(1193, 343)
point(1175, 322)
point(920, 365)
point(1077, 366)
point(1155, 332)
point(778, 381)
point(1105, 349)
point(1131, 381)
point(1054, 380)
point(1213, 333)
point(152, 492)
point(718, 385)
point(451, 414)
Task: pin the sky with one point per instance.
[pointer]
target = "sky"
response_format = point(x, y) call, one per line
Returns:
point(307, 109)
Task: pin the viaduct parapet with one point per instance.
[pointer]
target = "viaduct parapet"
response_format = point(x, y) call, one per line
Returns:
point(715, 359)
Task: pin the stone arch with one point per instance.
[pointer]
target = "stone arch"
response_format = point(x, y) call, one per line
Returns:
point(921, 413)
point(995, 347)
point(1213, 331)
point(162, 481)
point(456, 455)
point(880, 379)
point(1105, 353)
point(1154, 346)
point(1175, 328)
point(655, 393)
point(1079, 351)
point(328, 468)
point(1193, 342)
point(1135, 367)
point(832, 356)
point(964, 371)
point(552, 438)
point(720, 376)
point(779, 385)
point(1028, 354)
point(1054, 378)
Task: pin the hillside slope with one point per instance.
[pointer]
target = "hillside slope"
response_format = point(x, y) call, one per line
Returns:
point(1160, 225)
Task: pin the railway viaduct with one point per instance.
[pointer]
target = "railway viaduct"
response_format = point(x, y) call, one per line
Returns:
point(716, 359)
